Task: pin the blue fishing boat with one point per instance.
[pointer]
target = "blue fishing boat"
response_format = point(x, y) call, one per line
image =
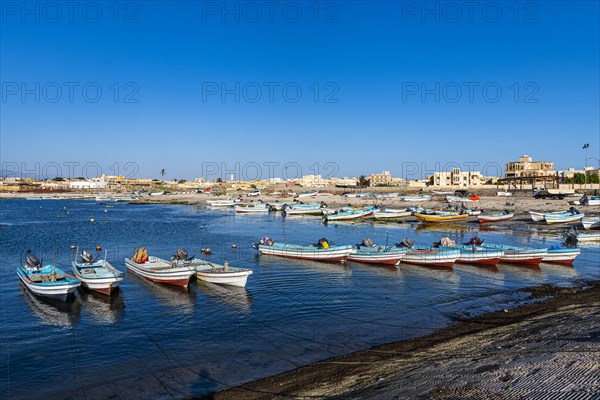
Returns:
point(48, 280)
point(97, 275)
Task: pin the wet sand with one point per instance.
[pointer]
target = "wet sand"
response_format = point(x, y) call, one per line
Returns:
point(544, 350)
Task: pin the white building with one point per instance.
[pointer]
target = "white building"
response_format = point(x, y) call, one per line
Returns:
point(385, 178)
point(87, 185)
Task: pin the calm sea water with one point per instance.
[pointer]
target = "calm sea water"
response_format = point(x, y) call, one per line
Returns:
point(156, 341)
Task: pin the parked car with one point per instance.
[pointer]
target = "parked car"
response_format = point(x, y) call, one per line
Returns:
point(254, 192)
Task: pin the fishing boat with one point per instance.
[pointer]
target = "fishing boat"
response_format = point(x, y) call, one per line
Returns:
point(391, 213)
point(539, 216)
point(33, 198)
point(312, 208)
point(221, 203)
point(573, 215)
point(308, 194)
point(324, 193)
point(158, 270)
point(416, 198)
point(561, 255)
point(97, 275)
point(487, 218)
point(387, 195)
point(251, 209)
point(479, 256)
point(102, 198)
point(124, 199)
point(518, 255)
point(322, 251)
point(357, 195)
point(460, 199)
point(350, 214)
point(212, 272)
point(436, 218)
point(222, 274)
point(369, 253)
point(443, 258)
point(588, 237)
point(48, 280)
point(590, 223)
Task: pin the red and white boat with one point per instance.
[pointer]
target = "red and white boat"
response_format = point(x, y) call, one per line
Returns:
point(158, 270)
point(443, 258)
point(484, 219)
point(378, 255)
point(480, 256)
point(561, 255)
point(251, 209)
point(519, 255)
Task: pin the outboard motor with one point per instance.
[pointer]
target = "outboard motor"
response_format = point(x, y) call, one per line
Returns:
point(584, 201)
point(406, 242)
point(181, 255)
point(87, 258)
point(33, 262)
point(265, 241)
point(570, 239)
point(574, 211)
point(474, 241)
point(367, 242)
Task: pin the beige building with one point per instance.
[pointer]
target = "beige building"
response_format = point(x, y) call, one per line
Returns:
point(385, 178)
point(457, 178)
point(526, 167)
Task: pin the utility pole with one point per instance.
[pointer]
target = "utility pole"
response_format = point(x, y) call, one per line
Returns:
point(585, 147)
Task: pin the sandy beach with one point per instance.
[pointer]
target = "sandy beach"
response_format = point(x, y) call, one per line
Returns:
point(545, 350)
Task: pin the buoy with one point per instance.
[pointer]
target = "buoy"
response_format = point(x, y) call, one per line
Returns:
point(105, 210)
point(207, 251)
point(233, 246)
point(92, 220)
point(72, 247)
point(201, 226)
point(98, 248)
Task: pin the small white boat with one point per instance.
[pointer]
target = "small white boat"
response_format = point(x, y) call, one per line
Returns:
point(387, 195)
point(103, 198)
point(221, 274)
point(322, 252)
point(392, 214)
point(487, 218)
point(221, 203)
point(33, 198)
point(351, 214)
point(251, 209)
point(159, 193)
point(324, 193)
point(571, 216)
point(442, 258)
point(97, 275)
point(416, 198)
point(48, 280)
point(588, 237)
point(357, 195)
point(590, 223)
point(308, 194)
point(503, 194)
point(313, 208)
point(539, 216)
point(378, 255)
point(561, 255)
point(158, 270)
point(460, 199)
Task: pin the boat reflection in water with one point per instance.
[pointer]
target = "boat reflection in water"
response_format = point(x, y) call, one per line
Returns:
point(562, 270)
point(105, 310)
point(180, 299)
point(235, 297)
point(439, 274)
point(51, 311)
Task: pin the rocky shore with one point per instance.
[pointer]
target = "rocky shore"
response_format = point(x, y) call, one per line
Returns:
point(544, 350)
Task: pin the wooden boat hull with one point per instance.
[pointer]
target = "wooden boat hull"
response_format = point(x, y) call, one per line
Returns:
point(339, 253)
point(588, 237)
point(431, 258)
point(484, 257)
point(345, 216)
point(392, 215)
point(179, 276)
point(104, 285)
point(559, 219)
point(517, 257)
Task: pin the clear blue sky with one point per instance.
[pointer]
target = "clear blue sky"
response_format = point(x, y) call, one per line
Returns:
point(370, 62)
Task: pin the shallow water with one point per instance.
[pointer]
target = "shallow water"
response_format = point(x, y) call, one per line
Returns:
point(156, 341)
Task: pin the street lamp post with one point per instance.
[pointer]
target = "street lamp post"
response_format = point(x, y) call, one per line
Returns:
point(585, 147)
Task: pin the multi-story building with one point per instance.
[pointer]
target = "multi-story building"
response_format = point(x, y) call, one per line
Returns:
point(457, 178)
point(385, 178)
point(526, 167)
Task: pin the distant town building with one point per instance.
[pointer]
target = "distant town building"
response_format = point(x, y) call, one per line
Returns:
point(87, 185)
point(526, 167)
point(385, 178)
point(311, 180)
point(457, 178)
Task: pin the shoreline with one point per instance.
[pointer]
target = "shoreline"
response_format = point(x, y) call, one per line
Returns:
point(492, 355)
